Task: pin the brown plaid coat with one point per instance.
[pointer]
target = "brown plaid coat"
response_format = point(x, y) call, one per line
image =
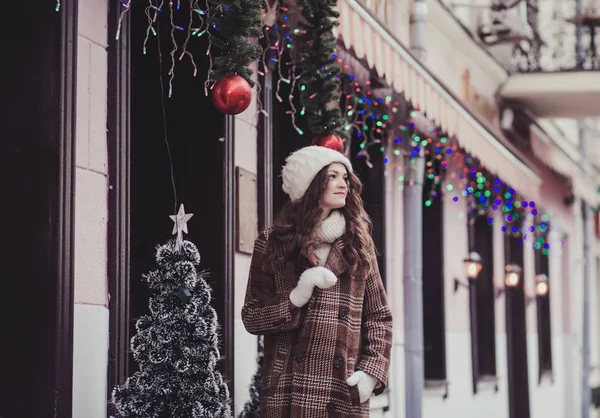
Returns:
point(311, 351)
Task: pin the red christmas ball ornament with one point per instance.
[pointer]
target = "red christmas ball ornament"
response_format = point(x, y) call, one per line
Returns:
point(331, 141)
point(232, 94)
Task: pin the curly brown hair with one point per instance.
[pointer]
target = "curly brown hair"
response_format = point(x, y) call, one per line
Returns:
point(293, 228)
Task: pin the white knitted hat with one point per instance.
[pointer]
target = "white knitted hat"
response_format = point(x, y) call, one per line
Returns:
point(303, 165)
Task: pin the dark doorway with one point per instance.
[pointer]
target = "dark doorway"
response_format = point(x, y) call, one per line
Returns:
point(201, 153)
point(37, 161)
point(516, 335)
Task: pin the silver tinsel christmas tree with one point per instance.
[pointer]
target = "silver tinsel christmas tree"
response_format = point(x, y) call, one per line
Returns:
point(176, 345)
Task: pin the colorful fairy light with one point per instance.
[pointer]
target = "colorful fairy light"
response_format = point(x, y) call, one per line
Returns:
point(198, 24)
point(485, 193)
point(375, 122)
point(279, 39)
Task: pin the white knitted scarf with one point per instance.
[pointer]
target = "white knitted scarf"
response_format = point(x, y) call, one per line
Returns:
point(330, 229)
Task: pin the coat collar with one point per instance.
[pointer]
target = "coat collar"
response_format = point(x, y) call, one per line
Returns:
point(335, 261)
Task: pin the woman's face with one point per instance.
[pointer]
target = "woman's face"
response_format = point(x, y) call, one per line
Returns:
point(336, 190)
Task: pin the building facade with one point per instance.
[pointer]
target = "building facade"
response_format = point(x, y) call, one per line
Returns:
point(488, 349)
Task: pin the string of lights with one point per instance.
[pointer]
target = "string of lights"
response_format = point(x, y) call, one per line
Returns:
point(484, 193)
point(455, 177)
point(196, 20)
point(374, 121)
point(279, 53)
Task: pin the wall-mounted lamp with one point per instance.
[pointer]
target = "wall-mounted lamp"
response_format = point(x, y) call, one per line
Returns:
point(541, 288)
point(541, 285)
point(473, 267)
point(512, 277)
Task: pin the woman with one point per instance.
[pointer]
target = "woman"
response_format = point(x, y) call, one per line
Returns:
point(315, 292)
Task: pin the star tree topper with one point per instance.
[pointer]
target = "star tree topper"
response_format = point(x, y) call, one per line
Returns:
point(180, 226)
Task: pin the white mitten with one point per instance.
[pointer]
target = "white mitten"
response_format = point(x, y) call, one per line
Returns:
point(315, 276)
point(325, 279)
point(366, 383)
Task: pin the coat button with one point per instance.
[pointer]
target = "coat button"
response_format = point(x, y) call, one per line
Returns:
point(300, 355)
point(331, 407)
point(338, 362)
point(343, 313)
point(278, 323)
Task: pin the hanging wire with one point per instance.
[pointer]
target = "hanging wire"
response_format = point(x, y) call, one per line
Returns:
point(164, 114)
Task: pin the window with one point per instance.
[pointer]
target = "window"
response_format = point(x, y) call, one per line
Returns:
point(434, 322)
point(516, 333)
point(544, 331)
point(373, 196)
point(481, 240)
point(149, 173)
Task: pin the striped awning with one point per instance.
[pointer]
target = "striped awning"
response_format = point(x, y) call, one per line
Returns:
point(370, 40)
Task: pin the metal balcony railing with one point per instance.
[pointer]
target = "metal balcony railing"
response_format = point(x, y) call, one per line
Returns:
point(566, 37)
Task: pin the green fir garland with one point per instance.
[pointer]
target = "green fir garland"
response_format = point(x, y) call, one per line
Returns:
point(231, 24)
point(320, 75)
